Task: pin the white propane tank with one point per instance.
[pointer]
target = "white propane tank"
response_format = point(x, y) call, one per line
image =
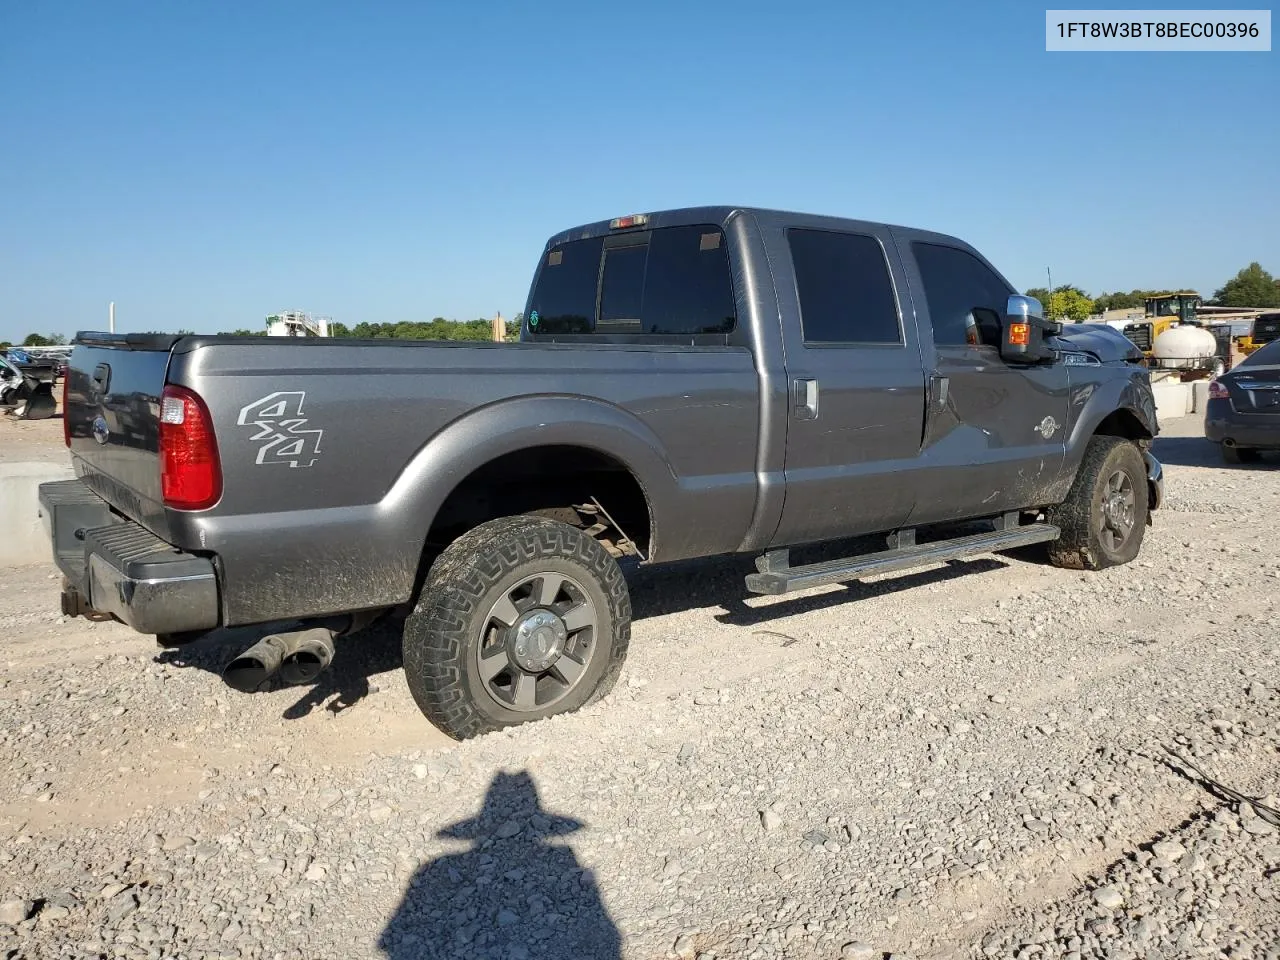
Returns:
point(1179, 344)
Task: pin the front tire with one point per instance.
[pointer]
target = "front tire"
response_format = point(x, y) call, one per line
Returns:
point(1104, 517)
point(520, 619)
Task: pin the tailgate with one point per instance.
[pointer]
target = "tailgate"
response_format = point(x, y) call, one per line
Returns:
point(114, 382)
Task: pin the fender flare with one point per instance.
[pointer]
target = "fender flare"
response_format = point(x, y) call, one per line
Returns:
point(523, 423)
point(1104, 399)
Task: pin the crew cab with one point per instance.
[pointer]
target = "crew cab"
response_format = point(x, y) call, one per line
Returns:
point(687, 383)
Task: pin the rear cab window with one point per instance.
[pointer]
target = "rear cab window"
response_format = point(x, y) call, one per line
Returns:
point(669, 282)
point(844, 287)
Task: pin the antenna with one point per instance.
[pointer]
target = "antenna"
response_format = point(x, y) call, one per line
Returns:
point(1048, 305)
point(111, 317)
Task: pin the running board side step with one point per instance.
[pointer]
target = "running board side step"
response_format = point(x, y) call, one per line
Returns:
point(776, 576)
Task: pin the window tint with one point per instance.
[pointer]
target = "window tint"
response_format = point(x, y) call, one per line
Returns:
point(622, 290)
point(966, 299)
point(688, 288)
point(565, 299)
point(674, 280)
point(846, 295)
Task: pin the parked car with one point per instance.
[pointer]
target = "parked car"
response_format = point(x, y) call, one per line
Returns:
point(688, 383)
point(1243, 412)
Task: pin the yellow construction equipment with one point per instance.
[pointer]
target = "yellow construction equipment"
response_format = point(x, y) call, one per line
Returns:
point(1266, 327)
point(1173, 336)
point(1163, 311)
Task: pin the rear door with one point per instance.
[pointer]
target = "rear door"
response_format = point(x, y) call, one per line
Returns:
point(996, 433)
point(857, 385)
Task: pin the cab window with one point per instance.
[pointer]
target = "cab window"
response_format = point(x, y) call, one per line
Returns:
point(966, 298)
point(672, 281)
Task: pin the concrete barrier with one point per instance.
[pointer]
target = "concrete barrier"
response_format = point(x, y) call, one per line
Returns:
point(1200, 396)
point(1173, 399)
point(22, 536)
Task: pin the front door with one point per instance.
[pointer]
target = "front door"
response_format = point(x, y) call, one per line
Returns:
point(996, 432)
point(856, 381)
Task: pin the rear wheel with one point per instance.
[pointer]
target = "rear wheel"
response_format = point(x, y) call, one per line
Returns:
point(1104, 517)
point(1240, 454)
point(520, 619)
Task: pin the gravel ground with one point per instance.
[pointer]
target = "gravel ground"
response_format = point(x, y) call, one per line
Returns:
point(32, 439)
point(968, 761)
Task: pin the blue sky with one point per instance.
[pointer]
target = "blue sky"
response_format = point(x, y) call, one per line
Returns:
point(206, 164)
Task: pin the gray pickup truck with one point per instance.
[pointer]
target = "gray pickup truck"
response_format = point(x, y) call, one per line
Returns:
point(688, 383)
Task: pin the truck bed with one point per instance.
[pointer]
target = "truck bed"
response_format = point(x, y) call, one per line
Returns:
point(337, 453)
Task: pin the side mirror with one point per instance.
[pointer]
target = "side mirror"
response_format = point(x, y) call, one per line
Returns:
point(1022, 338)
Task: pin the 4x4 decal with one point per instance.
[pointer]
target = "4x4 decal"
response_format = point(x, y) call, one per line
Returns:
point(279, 422)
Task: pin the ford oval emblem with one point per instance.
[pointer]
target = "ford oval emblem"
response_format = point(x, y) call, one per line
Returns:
point(100, 430)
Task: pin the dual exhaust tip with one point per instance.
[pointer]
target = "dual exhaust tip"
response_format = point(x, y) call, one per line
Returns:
point(298, 657)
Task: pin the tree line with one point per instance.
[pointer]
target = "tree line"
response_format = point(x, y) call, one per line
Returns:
point(1250, 287)
point(38, 340)
point(437, 328)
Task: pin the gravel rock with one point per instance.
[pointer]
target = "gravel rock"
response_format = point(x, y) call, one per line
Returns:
point(1169, 850)
point(884, 760)
point(857, 950)
point(1109, 898)
point(14, 912)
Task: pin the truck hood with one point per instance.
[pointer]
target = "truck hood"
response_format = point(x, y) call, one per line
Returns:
point(1105, 343)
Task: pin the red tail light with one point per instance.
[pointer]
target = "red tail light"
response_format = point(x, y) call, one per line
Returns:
point(66, 424)
point(1217, 391)
point(190, 474)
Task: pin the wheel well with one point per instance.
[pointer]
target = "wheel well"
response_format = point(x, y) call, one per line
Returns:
point(1122, 423)
point(550, 481)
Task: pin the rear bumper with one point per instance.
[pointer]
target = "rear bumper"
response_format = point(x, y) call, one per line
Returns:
point(1223, 424)
point(121, 569)
point(1155, 481)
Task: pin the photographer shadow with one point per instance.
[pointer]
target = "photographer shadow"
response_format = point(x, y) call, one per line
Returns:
point(511, 896)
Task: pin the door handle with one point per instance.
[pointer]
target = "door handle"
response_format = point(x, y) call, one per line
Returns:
point(804, 399)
